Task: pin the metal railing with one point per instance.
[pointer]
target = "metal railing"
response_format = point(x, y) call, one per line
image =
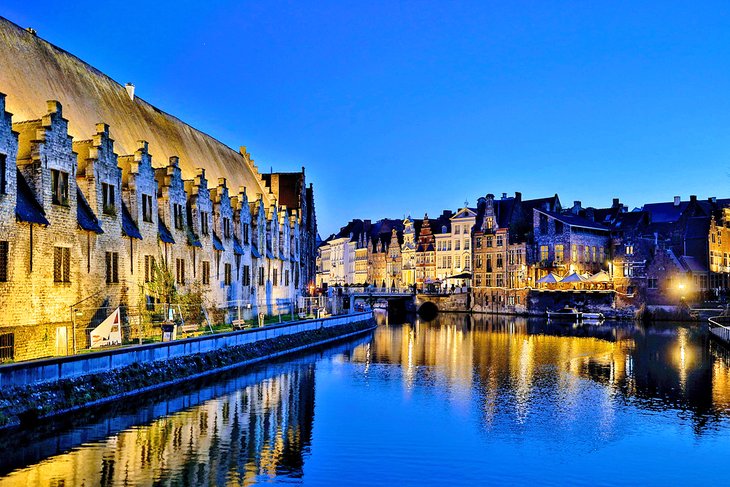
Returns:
point(718, 329)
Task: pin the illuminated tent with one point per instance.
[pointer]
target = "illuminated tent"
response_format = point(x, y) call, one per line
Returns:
point(601, 276)
point(549, 279)
point(573, 277)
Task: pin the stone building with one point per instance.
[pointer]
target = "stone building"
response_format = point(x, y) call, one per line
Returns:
point(408, 253)
point(86, 212)
point(566, 243)
point(425, 257)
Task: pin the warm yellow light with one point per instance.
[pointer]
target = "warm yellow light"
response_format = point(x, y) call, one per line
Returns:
point(681, 285)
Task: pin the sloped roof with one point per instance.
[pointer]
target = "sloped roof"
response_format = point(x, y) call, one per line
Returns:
point(27, 208)
point(237, 249)
point(217, 244)
point(698, 227)
point(35, 71)
point(129, 228)
point(163, 232)
point(84, 214)
point(575, 221)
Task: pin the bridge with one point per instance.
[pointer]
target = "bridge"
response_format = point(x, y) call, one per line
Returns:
point(397, 300)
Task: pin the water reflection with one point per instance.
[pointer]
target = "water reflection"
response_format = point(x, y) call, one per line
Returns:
point(458, 400)
point(658, 365)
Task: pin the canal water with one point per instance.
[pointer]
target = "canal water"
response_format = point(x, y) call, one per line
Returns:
point(455, 401)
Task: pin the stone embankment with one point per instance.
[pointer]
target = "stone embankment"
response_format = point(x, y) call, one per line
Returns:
point(24, 403)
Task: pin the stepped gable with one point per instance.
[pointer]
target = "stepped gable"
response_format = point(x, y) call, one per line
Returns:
point(33, 71)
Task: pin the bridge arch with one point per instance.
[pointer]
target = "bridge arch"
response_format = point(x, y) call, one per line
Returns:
point(428, 310)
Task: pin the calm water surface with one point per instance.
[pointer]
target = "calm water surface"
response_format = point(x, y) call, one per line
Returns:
point(455, 401)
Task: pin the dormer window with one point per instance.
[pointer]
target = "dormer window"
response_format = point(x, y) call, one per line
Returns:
point(59, 187)
point(204, 228)
point(147, 207)
point(178, 216)
point(108, 197)
point(3, 175)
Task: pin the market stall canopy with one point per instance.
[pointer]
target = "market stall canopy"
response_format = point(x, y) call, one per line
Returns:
point(601, 276)
point(463, 275)
point(549, 279)
point(573, 277)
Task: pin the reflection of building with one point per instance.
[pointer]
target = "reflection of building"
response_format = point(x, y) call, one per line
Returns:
point(263, 429)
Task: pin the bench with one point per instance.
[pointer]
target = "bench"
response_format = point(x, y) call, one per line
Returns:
point(189, 328)
point(240, 324)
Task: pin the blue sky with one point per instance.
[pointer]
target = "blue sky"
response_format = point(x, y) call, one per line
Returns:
point(405, 107)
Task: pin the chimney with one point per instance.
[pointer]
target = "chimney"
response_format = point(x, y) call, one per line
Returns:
point(616, 203)
point(693, 197)
point(504, 196)
point(130, 90)
point(576, 207)
point(677, 200)
point(518, 196)
point(712, 199)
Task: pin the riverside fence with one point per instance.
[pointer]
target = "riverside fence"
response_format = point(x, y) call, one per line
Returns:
point(57, 368)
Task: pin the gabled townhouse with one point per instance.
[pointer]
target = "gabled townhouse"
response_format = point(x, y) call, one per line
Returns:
point(139, 193)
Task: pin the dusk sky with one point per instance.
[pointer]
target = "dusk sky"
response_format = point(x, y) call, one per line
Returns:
point(400, 108)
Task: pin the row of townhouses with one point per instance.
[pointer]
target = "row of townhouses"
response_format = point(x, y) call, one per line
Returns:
point(84, 227)
point(516, 256)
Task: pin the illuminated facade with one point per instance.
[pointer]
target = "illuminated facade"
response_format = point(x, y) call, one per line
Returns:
point(87, 210)
point(408, 253)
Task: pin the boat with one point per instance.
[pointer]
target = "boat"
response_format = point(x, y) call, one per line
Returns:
point(593, 317)
point(567, 314)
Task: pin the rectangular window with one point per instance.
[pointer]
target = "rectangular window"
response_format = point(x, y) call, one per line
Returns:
point(559, 253)
point(227, 227)
point(261, 276)
point(478, 242)
point(61, 264)
point(246, 275)
point(544, 255)
point(206, 273)
point(178, 216)
point(594, 254)
point(652, 283)
point(112, 267)
point(466, 244)
point(245, 233)
point(457, 261)
point(107, 191)
point(180, 271)
point(586, 254)
point(4, 257)
point(602, 254)
point(275, 279)
point(500, 240)
point(574, 253)
point(7, 346)
point(500, 280)
point(147, 207)
point(489, 242)
point(286, 277)
point(3, 173)
point(479, 261)
point(227, 274)
point(500, 263)
point(59, 187)
point(149, 268)
point(489, 280)
point(204, 223)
